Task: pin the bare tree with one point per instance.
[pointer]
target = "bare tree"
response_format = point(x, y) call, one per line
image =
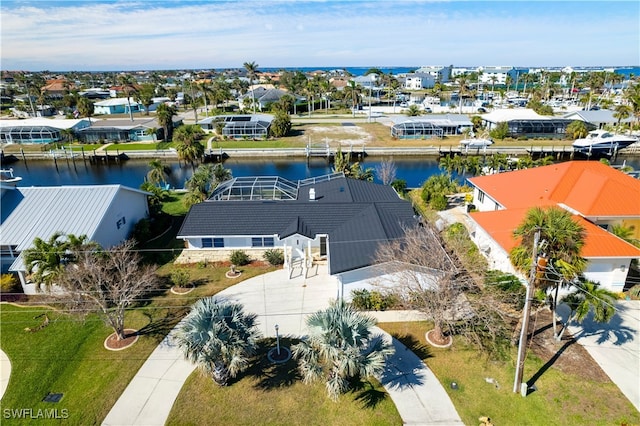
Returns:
point(107, 282)
point(386, 171)
point(421, 274)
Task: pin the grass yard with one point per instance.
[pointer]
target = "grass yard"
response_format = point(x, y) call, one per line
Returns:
point(268, 394)
point(67, 356)
point(561, 399)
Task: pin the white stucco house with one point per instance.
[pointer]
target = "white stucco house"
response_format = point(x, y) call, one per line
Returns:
point(597, 195)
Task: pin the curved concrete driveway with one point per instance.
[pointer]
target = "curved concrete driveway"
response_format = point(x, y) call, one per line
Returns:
point(417, 394)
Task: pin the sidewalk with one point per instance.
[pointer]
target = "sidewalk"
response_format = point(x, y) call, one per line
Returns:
point(417, 394)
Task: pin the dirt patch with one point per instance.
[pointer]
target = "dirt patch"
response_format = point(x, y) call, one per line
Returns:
point(113, 344)
point(342, 135)
point(570, 356)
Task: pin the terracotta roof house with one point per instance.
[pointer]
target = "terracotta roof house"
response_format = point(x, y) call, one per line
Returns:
point(331, 220)
point(57, 88)
point(597, 195)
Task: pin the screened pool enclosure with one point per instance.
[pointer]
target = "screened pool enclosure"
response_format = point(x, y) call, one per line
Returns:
point(416, 130)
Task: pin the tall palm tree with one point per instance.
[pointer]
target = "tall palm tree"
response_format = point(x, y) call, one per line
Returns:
point(220, 174)
point(129, 89)
point(164, 115)
point(340, 346)
point(352, 92)
point(251, 68)
point(188, 138)
point(85, 108)
point(562, 241)
point(219, 337)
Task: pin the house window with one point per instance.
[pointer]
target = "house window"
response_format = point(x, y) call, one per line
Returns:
point(262, 242)
point(218, 242)
point(480, 196)
point(207, 242)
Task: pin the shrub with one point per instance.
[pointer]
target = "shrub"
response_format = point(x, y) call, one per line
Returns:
point(8, 283)
point(180, 278)
point(239, 258)
point(501, 131)
point(634, 292)
point(365, 300)
point(275, 257)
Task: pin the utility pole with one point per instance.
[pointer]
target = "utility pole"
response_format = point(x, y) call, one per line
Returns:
point(518, 386)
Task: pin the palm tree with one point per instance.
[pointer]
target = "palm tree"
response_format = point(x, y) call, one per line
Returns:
point(413, 110)
point(188, 138)
point(157, 172)
point(340, 347)
point(164, 115)
point(352, 92)
point(85, 108)
point(588, 297)
point(463, 89)
point(251, 68)
point(200, 185)
point(45, 260)
point(562, 241)
point(219, 337)
point(129, 89)
point(220, 174)
point(622, 112)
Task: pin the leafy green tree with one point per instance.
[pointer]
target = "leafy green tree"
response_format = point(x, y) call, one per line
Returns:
point(188, 138)
point(501, 131)
point(562, 239)
point(626, 233)
point(281, 125)
point(145, 96)
point(164, 115)
point(340, 347)
point(219, 337)
point(435, 190)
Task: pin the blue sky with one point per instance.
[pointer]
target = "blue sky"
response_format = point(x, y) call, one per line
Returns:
point(132, 35)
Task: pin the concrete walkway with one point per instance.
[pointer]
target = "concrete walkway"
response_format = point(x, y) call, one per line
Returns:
point(615, 346)
point(5, 372)
point(417, 394)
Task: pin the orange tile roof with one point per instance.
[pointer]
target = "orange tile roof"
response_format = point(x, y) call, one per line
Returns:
point(598, 243)
point(587, 187)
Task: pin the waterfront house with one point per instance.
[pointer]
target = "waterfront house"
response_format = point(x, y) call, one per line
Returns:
point(330, 222)
point(106, 214)
point(598, 196)
point(238, 126)
point(122, 130)
point(39, 130)
point(429, 126)
point(524, 122)
point(598, 118)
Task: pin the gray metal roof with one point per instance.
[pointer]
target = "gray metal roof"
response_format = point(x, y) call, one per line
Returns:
point(597, 116)
point(356, 215)
point(436, 119)
point(30, 212)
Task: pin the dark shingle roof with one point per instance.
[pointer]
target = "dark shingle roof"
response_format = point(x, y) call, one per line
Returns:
point(356, 215)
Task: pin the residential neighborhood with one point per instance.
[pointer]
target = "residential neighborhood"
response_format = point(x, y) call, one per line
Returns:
point(319, 213)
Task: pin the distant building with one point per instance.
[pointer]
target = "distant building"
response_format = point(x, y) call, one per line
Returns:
point(39, 130)
point(418, 81)
point(441, 73)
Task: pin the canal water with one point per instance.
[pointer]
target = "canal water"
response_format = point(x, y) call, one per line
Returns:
point(414, 170)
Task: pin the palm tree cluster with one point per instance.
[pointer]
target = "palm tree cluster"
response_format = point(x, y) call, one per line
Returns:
point(340, 347)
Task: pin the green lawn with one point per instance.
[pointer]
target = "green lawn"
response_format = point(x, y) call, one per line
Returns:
point(270, 394)
point(68, 355)
point(561, 399)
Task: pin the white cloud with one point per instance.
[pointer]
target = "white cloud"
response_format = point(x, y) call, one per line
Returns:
point(133, 35)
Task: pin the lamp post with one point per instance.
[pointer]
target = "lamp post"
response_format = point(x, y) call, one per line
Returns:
point(277, 339)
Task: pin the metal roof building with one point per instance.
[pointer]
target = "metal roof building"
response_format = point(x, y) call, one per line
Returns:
point(340, 218)
point(106, 214)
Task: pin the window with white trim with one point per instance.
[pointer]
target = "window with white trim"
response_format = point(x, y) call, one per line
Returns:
point(262, 242)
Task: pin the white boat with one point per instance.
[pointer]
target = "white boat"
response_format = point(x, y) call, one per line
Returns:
point(602, 141)
point(6, 176)
point(476, 142)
